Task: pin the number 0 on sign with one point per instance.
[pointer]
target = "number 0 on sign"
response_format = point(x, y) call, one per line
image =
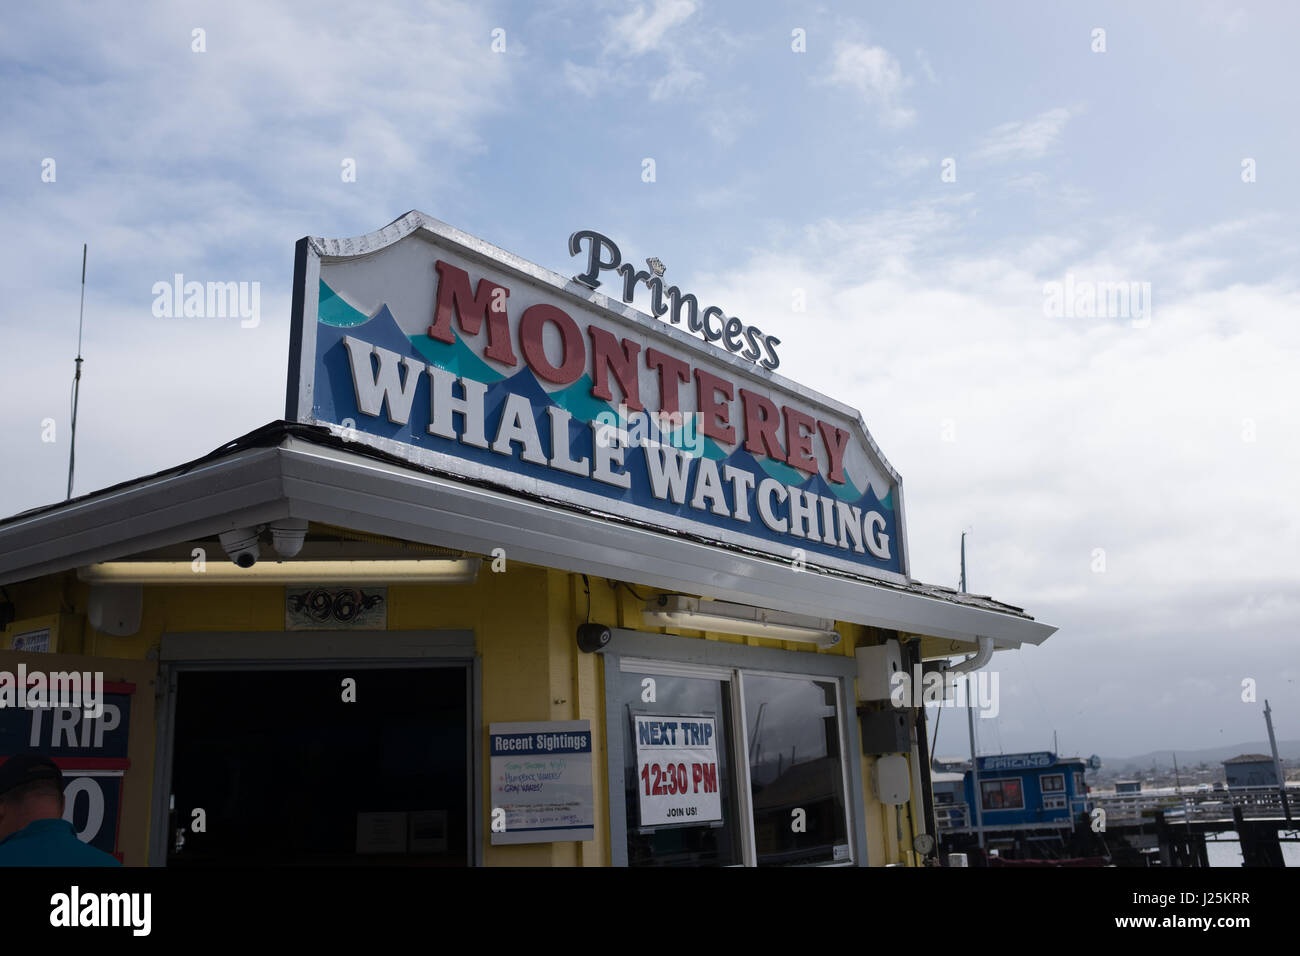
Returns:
point(677, 769)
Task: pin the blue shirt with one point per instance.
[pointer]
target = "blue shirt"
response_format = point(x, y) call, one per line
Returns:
point(50, 842)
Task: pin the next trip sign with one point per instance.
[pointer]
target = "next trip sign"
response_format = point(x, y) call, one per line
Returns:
point(677, 769)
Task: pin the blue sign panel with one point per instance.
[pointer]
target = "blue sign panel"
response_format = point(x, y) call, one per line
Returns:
point(1029, 761)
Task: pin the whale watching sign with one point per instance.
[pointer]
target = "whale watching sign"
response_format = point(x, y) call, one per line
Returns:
point(434, 346)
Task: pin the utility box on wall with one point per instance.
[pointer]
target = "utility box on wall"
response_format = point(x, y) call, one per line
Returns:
point(886, 731)
point(877, 665)
point(891, 781)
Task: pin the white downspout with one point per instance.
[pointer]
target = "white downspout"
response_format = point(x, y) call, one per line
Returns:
point(976, 660)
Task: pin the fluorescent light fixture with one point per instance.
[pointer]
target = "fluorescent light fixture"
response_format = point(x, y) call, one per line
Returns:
point(699, 615)
point(415, 571)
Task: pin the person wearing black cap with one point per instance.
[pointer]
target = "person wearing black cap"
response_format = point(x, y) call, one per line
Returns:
point(32, 829)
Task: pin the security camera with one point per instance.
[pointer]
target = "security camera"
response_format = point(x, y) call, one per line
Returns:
point(287, 535)
point(592, 637)
point(240, 546)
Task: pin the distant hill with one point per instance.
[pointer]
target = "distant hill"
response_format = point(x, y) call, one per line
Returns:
point(1214, 756)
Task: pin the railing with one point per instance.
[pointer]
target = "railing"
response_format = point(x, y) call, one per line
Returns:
point(950, 815)
point(1195, 806)
point(1132, 809)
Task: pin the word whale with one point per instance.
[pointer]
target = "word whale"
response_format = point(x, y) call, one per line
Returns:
point(674, 475)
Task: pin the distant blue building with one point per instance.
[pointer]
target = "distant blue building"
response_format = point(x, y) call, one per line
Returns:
point(1026, 791)
point(1250, 770)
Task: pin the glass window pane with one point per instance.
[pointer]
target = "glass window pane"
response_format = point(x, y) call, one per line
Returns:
point(715, 843)
point(795, 764)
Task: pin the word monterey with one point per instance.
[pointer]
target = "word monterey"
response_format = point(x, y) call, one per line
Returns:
point(384, 381)
point(603, 256)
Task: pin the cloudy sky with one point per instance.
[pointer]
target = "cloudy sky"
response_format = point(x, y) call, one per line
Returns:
point(928, 179)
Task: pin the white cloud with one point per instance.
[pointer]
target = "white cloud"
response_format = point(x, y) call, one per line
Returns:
point(1171, 446)
point(247, 138)
point(1025, 139)
point(587, 80)
point(211, 165)
point(900, 162)
point(875, 74)
point(638, 32)
point(926, 68)
point(725, 125)
point(679, 79)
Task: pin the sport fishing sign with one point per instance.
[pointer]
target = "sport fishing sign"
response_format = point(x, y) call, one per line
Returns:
point(454, 355)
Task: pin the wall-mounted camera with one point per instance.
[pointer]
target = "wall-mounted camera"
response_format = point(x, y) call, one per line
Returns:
point(241, 546)
point(592, 637)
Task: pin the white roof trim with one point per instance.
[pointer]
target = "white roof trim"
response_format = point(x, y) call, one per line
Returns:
point(300, 478)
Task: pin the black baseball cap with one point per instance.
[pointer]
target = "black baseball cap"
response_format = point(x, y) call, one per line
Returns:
point(26, 768)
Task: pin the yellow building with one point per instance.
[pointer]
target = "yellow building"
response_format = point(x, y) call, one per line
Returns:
point(525, 577)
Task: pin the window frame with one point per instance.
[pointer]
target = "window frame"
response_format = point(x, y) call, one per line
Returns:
point(1018, 781)
point(844, 770)
point(1042, 783)
point(643, 652)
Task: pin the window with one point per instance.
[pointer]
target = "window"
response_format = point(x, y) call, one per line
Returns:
point(1079, 788)
point(1056, 802)
point(1003, 794)
point(781, 785)
point(1052, 782)
point(794, 764)
point(716, 841)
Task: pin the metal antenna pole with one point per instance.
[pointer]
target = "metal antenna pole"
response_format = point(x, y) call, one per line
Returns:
point(76, 379)
point(970, 726)
point(975, 774)
point(1277, 764)
point(962, 586)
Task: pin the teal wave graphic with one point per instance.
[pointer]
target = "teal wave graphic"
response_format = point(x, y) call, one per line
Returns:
point(457, 358)
point(336, 312)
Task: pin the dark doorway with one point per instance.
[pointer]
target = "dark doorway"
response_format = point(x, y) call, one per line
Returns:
point(289, 773)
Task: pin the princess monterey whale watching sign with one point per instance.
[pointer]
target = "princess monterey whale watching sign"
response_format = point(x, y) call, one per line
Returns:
point(429, 344)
